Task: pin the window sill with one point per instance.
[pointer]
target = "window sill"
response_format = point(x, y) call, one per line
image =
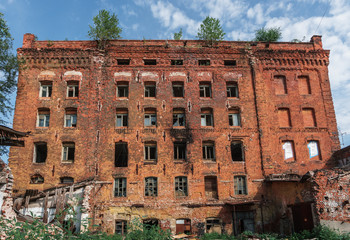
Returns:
point(179, 161)
point(148, 162)
point(122, 98)
point(179, 127)
point(41, 128)
point(238, 161)
point(233, 98)
point(70, 128)
point(38, 164)
point(67, 163)
point(72, 98)
point(44, 98)
point(151, 98)
point(205, 98)
point(207, 127)
point(209, 161)
point(236, 127)
point(179, 97)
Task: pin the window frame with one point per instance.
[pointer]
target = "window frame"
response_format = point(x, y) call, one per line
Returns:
point(240, 185)
point(234, 117)
point(120, 191)
point(48, 91)
point(36, 179)
point(125, 87)
point(181, 186)
point(123, 160)
point(229, 91)
point(293, 157)
point(73, 115)
point(179, 117)
point(180, 86)
point(66, 148)
point(150, 114)
point(35, 155)
point(177, 150)
point(207, 115)
point(205, 89)
point(123, 116)
point(218, 220)
point(124, 227)
point(151, 192)
point(208, 148)
point(43, 114)
point(65, 178)
point(235, 159)
point(72, 86)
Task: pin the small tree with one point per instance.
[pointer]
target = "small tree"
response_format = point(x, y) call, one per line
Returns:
point(178, 35)
point(210, 30)
point(268, 34)
point(105, 28)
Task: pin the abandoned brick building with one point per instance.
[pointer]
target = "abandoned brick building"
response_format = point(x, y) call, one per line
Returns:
point(191, 137)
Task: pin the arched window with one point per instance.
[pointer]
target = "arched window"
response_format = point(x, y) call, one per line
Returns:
point(36, 179)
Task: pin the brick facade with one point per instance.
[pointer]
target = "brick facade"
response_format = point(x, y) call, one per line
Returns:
point(87, 108)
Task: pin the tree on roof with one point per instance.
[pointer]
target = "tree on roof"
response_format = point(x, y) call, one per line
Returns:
point(105, 27)
point(210, 30)
point(268, 34)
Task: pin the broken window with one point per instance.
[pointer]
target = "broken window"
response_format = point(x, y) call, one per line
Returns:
point(204, 62)
point(280, 85)
point(121, 154)
point(208, 151)
point(66, 180)
point(240, 185)
point(36, 179)
point(72, 89)
point(120, 187)
point(43, 117)
point(70, 118)
point(40, 152)
point(211, 187)
point(232, 89)
point(177, 62)
point(150, 61)
point(284, 118)
point(123, 61)
point(237, 151)
point(121, 227)
point(151, 152)
point(183, 226)
point(309, 117)
point(150, 223)
point(45, 89)
point(181, 186)
point(207, 117)
point(205, 90)
point(230, 62)
point(122, 117)
point(150, 89)
point(213, 225)
point(150, 117)
point(151, 187)
point(68, 151)
point(178, 89)
point(288, 150)
point(122, 89)
point(234, 117)
point(179, 151)
point(314, 150)
point(304, 85)
point(178, 117)
point(243, 221)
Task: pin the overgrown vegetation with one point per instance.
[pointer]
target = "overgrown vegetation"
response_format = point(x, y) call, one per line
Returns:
point(211, 31)
point(268, 34)
point(178, 35)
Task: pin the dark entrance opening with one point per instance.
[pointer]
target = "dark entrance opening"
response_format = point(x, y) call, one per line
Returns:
point(302, 217)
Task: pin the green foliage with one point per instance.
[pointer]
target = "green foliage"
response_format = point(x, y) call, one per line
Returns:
point(214, 236)
point(210, 30)
point(268, 34)
point(105, 28)
point(178, 35)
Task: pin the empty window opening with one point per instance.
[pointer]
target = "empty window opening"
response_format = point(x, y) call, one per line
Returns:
point(70, 118)
point(43, 117)
point(240, 184)
point(181, 186)
point(72, 89)
point(150, 89)
point(66, 180)
point(204, 62)
point(237, 151)
point(177, 62)
point(234, 118)
point(151, 223)
point(207, 117)
point(211, 187)
point(314, 150)
point(205, 90)
point(243, 221)
point(36, 179)
point(40, 152)
point(150, 117)
point(121, 154)
point(304, 85)
point(123, 61)
point(178, 89)
point(150, 61)
point(280, 85)
point(208, 151)
point(179, 117)
point(150, 152)
point(288, 150)
point(45, 89)
point(68, 152)
point(120, 187)
point(151, 187)
point(213, 225)
point(230, 62)
point(180, 151)
point(122, 89)
point(183, 226)
point(232, 89)
point(121, 227)
point(309, 117)
point(122, 117)
point(284, 118)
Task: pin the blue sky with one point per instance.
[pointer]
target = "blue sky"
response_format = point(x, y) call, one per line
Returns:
point(159, 19)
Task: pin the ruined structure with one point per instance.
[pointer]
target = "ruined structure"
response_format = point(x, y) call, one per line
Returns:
point(186, 136)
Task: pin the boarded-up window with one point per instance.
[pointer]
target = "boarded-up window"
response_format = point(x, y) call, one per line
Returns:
point(151, 187)
point(309, 117)
point(314, 150)
point(211, 187)
point(234, 117)
point(280, 85)
point(120, 187)
point(121, 154)
point(284, 118)
point(183, 226)
point(237, 151)
point(181, 186)
point(288, 151)
point(240, 185)
point(40, 152)
point(213, 225)
point(304, 85)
